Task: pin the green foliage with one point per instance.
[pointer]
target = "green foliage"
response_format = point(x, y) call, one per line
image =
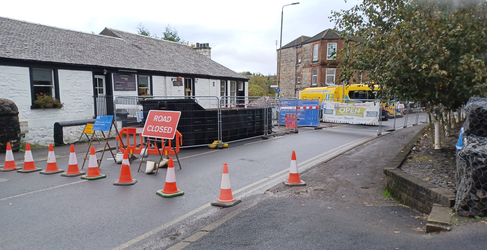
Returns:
point(428, 51)
point(22, 146)
point(141, 30)
point(170, 34)
point(259, 85)
point(46, 101)
point(386, 194)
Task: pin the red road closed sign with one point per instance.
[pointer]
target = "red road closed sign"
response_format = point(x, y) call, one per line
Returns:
point(161, 124)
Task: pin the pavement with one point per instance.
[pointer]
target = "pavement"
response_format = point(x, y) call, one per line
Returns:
point(342, 206)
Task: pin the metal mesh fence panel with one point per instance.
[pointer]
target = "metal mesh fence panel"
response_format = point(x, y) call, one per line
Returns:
point(244, 117)
point(471, 196)
point(204, 119)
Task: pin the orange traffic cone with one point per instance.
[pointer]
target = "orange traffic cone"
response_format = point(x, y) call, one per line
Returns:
point(51, 163)
point(294, 179)
point(9, 160)
point(125, 176)
point(73, 169)
point(226, 197)
point(93, 169)
point(29, 165)
point(170, 189)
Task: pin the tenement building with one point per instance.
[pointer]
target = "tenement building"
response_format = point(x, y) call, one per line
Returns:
point(310, 62)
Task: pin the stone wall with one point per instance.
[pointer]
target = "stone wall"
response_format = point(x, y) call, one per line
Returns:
point(9, 125)
point(410, 190)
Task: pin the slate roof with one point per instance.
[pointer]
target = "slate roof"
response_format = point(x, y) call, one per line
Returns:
point(328, 34)
point(112, 48)
point(297, 41)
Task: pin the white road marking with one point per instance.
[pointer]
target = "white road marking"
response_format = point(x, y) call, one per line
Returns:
point(41, 190)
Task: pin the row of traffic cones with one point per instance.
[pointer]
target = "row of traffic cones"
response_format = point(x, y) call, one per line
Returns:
point(170, 189)
point(73, 169)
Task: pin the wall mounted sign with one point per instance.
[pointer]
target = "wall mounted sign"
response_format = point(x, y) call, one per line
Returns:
point(124, 82)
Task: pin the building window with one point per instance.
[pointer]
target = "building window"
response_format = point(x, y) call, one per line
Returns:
point(298, 80)
point(43, 83)
point(331, 52)
point(223, 88)
point(330, 76)
point(315, 52)
point(240, 86)
point(314, 77)
point(299, 58)
point(143, 85)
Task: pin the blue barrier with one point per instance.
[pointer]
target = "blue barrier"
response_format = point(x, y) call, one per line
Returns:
point(308, 112)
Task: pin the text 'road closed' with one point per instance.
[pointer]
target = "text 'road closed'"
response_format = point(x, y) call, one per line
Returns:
point(159, 129)
point(161, 124)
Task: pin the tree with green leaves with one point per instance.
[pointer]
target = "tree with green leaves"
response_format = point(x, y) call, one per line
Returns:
point(428, 51)
point(170, 34)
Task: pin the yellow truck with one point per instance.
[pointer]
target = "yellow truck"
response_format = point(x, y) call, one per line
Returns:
point(338, 94)
point(350, 94)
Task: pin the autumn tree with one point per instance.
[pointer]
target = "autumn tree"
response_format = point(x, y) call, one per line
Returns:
point(428, 51)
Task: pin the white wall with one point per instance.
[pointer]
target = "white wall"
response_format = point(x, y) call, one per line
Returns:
point(76, 94)
point(76, 91)
point(159, 86)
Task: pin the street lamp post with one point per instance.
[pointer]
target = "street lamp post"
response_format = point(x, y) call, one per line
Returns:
point(280, 48)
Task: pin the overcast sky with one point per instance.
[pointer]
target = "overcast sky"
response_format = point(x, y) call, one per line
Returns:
point(242, 34)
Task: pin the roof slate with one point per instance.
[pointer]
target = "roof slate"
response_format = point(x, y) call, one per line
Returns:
point(112, 48)
point(328, 34)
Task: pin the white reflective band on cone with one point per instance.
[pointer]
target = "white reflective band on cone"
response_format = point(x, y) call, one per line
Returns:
point(9, 156)
point(93, 163)
point(28, 156)
point(225, 181)
point(72, 159)
point(293, 168)
point(126, 162)
point(51, 157)
point(171, 175)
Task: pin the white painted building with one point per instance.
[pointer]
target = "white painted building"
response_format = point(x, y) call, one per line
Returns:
point(86, 72)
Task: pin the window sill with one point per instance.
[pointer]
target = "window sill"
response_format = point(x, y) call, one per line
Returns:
point(34, 107)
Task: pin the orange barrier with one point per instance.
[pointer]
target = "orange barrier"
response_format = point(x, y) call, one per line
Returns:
point(134, 137)
point(291, 121)
point(130, 145)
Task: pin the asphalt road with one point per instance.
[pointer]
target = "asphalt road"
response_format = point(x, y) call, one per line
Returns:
point(54, 212)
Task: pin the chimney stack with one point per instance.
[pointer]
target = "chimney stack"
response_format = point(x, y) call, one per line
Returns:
point(204, 49)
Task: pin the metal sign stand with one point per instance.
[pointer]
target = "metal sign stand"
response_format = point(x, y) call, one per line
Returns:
point(161, 154)
point(106, 138)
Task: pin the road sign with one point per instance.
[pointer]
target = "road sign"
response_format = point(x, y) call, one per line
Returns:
point(161, 124)
point(103, 123)
point(88, 129)
point(278, 91)
point(274, 86)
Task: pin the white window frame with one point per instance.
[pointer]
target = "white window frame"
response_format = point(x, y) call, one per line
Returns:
point(331, 51)
point(299, 58)
point(315, 52)
point(298, 79)
point(314, 77)
point(146, 88)
point(330, 72)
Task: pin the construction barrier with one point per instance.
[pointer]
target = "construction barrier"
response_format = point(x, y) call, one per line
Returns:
point(134, 142)
point(307, 112)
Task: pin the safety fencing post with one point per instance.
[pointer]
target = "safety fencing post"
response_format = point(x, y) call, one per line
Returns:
point(406, 115)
